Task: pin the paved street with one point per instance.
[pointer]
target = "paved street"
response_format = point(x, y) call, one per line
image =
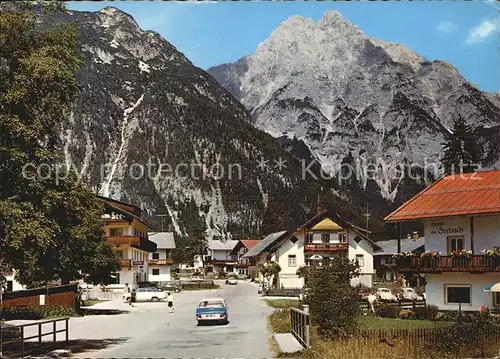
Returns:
point(150, 331)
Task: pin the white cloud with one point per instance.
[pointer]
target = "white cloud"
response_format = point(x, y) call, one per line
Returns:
point(447, 27)
point(482, 31)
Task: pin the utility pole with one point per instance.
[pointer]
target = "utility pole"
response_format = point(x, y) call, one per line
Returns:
point(367, 216)
point(163, 215)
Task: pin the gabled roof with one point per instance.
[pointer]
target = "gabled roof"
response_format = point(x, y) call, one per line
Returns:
point(244, 243)
point(215, 245)
point(335, 218)
point(163, 240)
point(111, 205)
point(390, 247)
point(264, 244)
point(326, 225)
point(453, 195)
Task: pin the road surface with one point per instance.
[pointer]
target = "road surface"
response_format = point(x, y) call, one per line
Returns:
point(150, 331)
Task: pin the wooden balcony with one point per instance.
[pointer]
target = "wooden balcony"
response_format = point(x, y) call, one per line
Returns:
point(472, 264)
point(161, 262)
point(325, 247)
point(125, 263)
point(216, 262)
point(123, 240)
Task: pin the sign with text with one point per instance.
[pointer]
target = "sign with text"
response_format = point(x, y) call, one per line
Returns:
point(440, 227)
point(137, 263)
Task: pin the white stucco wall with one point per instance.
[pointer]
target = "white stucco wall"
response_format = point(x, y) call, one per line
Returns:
point(15, 284)
point(164, 275)
point(435, 289)
point(437, 231)
point(288, 277)
point(362, 248)
point(486, 233)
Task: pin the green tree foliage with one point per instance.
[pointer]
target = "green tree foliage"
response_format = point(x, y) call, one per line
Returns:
point(269, 270)
point(50, 227)
point(462, 153)
point(333, 302)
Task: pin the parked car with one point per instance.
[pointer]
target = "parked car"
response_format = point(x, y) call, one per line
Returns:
point(149, 294)
point(212, 310)
point(364, 293)
point(196, 278)
point(232, 281)
point(146, 284)
point(175, 287)
point(409, 294)
point(385, 294)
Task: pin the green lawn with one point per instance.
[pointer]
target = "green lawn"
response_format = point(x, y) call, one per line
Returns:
point(193, 288)
point(282, 303)
point(371, 322)
point(90, 302)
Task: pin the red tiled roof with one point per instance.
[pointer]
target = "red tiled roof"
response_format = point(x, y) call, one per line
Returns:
point(249, 243)
point(453, 195)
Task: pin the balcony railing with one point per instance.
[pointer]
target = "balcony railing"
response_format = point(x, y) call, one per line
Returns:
point(221, 262)
point(472, 264)
point(325, 247)
point(159, 262)
point(114, 240)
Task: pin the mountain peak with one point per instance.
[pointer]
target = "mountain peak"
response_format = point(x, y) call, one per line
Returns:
point(112, 16)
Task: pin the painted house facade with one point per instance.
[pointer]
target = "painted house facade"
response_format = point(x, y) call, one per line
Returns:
point(461, 216)
point(160, 262)
point(325, 236)
point(242, 248)
point(219, 257)
point(127, 233)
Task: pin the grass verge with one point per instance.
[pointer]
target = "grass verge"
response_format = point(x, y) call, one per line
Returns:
point(192, 289)
point(372, 322)
point(283, 303)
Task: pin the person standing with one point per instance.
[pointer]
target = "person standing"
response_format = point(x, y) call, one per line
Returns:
point(126, 291)
point(170, 301)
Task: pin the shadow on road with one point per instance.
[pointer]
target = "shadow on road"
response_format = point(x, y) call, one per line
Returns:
point(97, 311)
point(75, 346)
point(212, 324)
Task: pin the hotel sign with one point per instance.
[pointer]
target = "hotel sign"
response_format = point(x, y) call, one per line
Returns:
point(441, 228)
point(137, 263)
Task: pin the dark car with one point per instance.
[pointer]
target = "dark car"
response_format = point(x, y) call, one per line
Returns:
point(175, 287)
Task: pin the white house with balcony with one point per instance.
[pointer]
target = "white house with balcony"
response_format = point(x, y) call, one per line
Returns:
point(461, 216)
point(160, 262)
point(325, 236)
point(219, 257)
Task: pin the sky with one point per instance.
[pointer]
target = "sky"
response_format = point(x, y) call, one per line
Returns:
point(466, 34)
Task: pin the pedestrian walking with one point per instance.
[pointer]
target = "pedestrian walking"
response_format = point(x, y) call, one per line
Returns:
point(170, 301)
point(126, 291)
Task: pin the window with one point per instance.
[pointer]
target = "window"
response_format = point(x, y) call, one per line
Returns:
point(496, 299)
point(309, 237)
point(244, 250)
point(292, 260)
point(325, 237)
point(156, 271)
point(456, 293)
point(116, 232)
point(455, 243)
point(156, 255)
point(343, 237)
point(360, 259)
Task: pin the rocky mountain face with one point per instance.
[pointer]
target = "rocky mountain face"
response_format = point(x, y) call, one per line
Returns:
point(150, 128)
point(351, 99)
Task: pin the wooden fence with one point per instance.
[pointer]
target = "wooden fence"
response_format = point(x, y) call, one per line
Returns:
point(57, 296)
point(404, 304)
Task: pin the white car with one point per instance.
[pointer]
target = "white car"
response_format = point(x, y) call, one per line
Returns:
point(149, 294)
point(385, 294)
point(409, 294)
point(232, 281)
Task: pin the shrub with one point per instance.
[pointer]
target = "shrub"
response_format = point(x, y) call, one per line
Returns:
point(407, 314)
point(333, 302)
point(34, 313)
point(429, 312)
point(387, 311)
point(221, 275)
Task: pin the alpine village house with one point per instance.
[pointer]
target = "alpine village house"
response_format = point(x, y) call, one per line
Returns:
point(461, 262)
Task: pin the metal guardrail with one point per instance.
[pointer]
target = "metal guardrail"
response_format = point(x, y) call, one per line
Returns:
point(300, 325)
point(23, 340)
